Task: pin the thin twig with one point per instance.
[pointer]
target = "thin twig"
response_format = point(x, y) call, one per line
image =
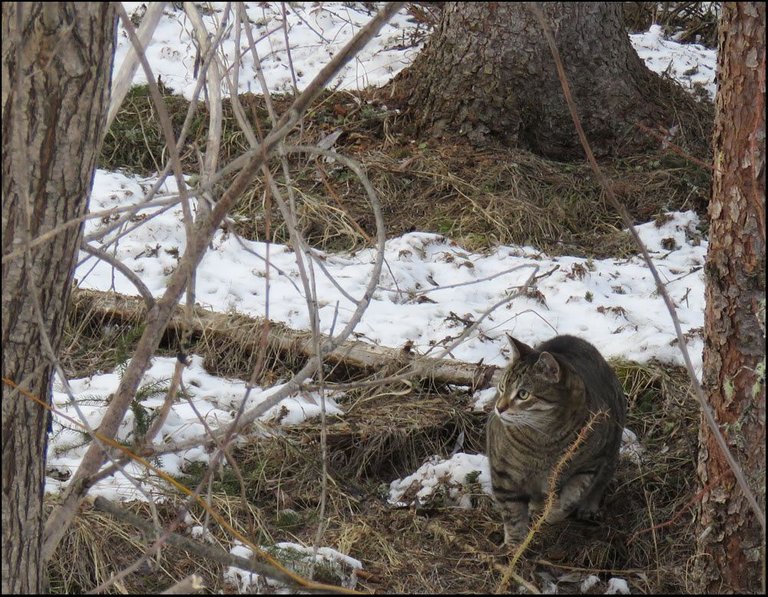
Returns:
point(288, 48)
point(123, 269)
point(92, 215)
point(158, 317)
point(554, 476)
point(191, 109)
point(677, 149)
point(163, 117)
point(124, 78)
point(708, 416)
point(207, 552)
point(680, 511)
point(212, 78)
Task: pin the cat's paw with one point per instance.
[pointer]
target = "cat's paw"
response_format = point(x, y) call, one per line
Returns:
point(514, 534)
point(589, 514)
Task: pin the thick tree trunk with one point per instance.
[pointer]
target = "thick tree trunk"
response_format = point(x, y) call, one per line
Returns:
point(731, 542)
point(57, 61)
point(488, 74)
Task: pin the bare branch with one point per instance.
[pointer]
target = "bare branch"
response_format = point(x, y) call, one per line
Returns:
point(213, 88)
point(123, 269)
point(158, 317)
point(167, 128)
point(124, 78)
point(288, 49)
point(182, 139)
point(660, 287)
point(46, 236)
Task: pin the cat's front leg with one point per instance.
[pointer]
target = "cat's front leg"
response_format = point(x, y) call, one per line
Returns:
point(514, 513)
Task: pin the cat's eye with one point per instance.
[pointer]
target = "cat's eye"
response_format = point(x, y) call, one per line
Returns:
point(523, 395)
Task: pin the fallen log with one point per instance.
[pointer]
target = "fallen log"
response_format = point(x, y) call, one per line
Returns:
point(245, 332)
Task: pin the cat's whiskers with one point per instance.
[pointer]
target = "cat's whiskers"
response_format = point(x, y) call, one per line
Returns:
point(538, 422)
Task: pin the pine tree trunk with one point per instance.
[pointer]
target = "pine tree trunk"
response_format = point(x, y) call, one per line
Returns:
point(731, 542)
point(57, 62)
point(487, 73)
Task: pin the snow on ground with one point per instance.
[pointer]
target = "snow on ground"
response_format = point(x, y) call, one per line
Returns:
point(456, 479)
point(206, 400)
point(300, 559)
point(316, 31)
point(431, 286)
point(693, 67)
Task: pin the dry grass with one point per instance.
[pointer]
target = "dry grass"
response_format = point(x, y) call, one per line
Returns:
point(646, 536)
point(692, 21)
point(479, 199)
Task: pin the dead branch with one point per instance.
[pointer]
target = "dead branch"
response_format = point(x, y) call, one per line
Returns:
point(158, 317)
point(122, 81)
point(709, 417)
point(240, 329)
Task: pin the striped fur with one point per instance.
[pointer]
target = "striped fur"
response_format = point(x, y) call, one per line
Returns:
point(544, 398)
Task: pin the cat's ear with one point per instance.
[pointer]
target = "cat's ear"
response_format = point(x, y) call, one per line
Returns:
point(519, 349)
point(548, 367)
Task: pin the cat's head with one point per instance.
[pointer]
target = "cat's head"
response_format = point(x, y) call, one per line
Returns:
point(537, 386)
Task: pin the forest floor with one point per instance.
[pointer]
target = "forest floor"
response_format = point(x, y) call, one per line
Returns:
point(272, 489)
point(479, 198)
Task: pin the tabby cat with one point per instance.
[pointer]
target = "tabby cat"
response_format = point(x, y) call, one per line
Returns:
point(544, 398)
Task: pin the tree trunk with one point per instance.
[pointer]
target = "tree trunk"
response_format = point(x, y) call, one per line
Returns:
point(488, 74)
point(730, 539)
point(57, 62)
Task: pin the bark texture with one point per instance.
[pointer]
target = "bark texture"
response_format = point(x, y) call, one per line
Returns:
point(56, 66)
point(731, 556)
point(488, 74)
